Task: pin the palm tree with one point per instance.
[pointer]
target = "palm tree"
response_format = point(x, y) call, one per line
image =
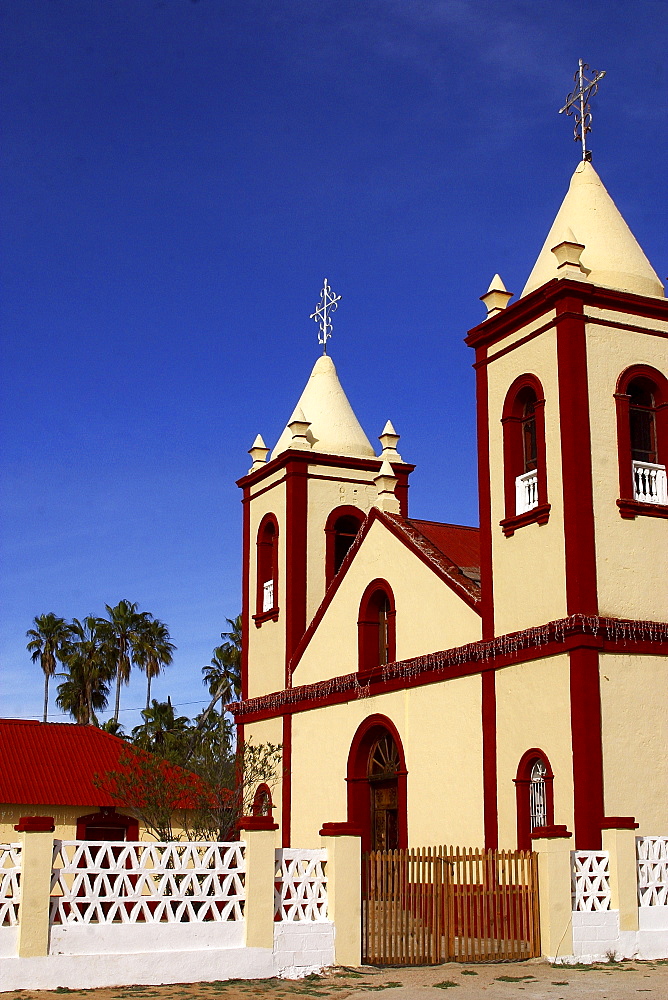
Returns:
point(153, 652)
point(123, 631)
point(47, 640)
point(90, 667)
point(159, 725)
point(223, 675)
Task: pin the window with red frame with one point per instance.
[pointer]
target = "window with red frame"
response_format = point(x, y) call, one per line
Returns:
point(376, 627)
point(535, 798)
point(642, 433)
point(267, 568)
point(525, 473)
point(341, 531)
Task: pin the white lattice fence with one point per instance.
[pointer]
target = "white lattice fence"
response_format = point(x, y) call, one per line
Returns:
point(590, 885)
point(146, 882)
point(300, 892)
point(10, 884)
point(652, 871)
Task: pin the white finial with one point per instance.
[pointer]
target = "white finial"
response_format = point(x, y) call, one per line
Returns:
point(496, 298)
point(258, 452)
point(386, 482)
point(389, 439)
point(568, 253)
point(299, 426)
point(329, 303)
point(578, 103)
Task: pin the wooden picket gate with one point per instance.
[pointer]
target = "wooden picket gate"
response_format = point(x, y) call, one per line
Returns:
point(424, 906)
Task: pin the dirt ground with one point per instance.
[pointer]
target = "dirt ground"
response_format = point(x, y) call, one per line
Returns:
point(534, 980)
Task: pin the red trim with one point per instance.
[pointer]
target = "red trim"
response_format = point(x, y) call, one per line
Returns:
point(107, 816)
point(630, 509)
point(588, 805)
point(359, 805)
point(579, 533)
point(340, 830)
point(522, 783)
point(537, 515)
point(330, 536)
point(619, 823)
point(609, 635)
point(245, 595)
point(489, 760)
point(257, 823)
point(540, 301)
point(286, 786)
point(484, 497)
point(296, 513)
point(368, 628)
point(401, 469)
point(267, 616)
point(550, 833)
point(35, 824)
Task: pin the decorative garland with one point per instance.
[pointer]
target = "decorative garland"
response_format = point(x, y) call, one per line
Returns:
point(482, 651)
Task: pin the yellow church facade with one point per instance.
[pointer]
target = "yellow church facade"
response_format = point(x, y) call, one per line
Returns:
point(435, 683)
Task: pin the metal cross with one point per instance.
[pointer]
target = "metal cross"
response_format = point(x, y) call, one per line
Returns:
point(328, 304)
point(578, 103)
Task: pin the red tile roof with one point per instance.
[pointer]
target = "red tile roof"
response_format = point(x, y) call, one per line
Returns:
point(53, 764)
point(459, 543)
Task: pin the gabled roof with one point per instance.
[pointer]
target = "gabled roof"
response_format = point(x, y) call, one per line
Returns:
point(431, 542)
point(54, 764)
point(333, 426)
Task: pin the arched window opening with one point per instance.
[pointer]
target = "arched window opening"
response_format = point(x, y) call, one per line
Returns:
point(642, 431)
point(382, 775)
point(341, 530)
point(267, 570)
point(376, 627)
point(525, 475)
point(377, 785)
point(534, 793)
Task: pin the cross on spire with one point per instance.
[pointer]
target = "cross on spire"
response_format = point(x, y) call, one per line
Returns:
point(328, 304)
point(578, 103)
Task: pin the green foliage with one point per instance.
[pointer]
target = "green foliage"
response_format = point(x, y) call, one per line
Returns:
point(47, 640)
point(90, 667)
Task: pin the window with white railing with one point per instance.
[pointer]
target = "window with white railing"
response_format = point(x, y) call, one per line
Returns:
point(650, 484)
point(642, 434)
point(524, 456)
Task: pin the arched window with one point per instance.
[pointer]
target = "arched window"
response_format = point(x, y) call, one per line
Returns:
point(376, 626)
point(340, 533)
point(107, 824)
point(534, 793)
point(267, 570)
point(377, 785)
point(525, 472)
point(642, 440)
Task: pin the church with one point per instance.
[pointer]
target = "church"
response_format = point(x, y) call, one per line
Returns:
point(434, 683)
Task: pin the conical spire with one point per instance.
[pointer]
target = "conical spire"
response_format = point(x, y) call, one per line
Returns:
point(611, 255)
point(333, 427)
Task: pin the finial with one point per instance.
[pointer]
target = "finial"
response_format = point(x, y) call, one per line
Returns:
point(578, 103)
point(568, 253)
point(258, 452)
point(328, 304)
point(496, 298)
point(389, 440)
point(386, 482)
point(299, 426)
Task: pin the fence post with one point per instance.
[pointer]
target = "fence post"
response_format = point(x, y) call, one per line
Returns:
point(344, 890)
point(259, 834)
point(619, 840)
point(36, 864)
point(554, 845)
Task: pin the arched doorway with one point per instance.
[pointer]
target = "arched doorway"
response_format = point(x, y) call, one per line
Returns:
point(377, 785)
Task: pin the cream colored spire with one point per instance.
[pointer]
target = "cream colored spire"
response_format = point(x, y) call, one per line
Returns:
point(333, 427)
point(611, 254)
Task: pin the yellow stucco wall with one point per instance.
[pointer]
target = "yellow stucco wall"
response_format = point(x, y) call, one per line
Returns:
point(65, 820)
point(269, 731)
point(533, 710)
point(626, 588)
point(266, 644)
point(429, 615)
point(440, 729)
point(324, 496)
point(529, 581)
point(634, 707)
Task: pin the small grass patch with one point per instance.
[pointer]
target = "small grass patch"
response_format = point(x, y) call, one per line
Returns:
point(445, 985)
point(514, 979)
point(561, 982)
point(469, 972)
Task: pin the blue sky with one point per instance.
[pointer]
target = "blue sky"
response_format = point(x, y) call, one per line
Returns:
point(177, 178)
